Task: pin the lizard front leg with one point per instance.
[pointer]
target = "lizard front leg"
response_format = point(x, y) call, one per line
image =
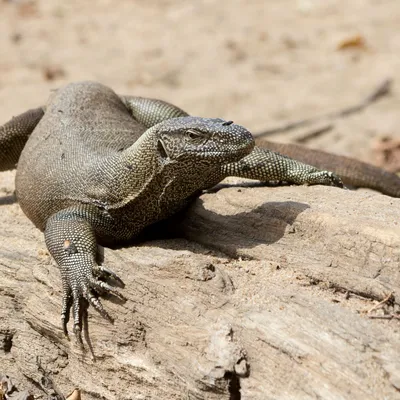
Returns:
point(71, 240)
point(266, 165)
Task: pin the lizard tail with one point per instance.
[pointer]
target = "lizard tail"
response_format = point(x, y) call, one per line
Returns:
point(352, 172)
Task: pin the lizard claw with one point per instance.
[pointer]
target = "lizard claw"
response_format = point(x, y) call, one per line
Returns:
point(77, 318)
point(85, 291)
point(104, 287)
point(96, 303)
point(65, 310)
point(100, 270)
point(72, 242)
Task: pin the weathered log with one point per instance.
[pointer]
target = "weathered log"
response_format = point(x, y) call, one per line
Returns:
point(266, 297)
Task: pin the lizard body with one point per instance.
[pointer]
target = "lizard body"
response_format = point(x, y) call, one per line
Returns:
point(95, 167)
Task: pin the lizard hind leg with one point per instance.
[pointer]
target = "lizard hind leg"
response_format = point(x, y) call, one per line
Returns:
point(71, 241)
point(14, 134)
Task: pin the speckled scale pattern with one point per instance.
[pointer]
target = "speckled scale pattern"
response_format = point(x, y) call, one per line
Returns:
point(352, 172)
point(266, 165)
point(14, 134)
point(151, 111)
point(98, 168)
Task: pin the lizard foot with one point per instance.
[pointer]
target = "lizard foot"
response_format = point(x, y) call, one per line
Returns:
point(83, 290)
point(324, 178)
point(71, 241)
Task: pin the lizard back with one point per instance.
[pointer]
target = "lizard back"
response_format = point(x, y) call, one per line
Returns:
point(84, 124)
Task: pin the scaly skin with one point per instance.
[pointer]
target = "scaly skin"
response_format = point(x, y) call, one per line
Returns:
point(352, 172)
point(98, 168)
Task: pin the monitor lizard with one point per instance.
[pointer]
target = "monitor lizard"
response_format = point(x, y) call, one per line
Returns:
point(96, 168)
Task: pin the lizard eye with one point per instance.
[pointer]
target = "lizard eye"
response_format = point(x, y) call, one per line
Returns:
point(194, 134)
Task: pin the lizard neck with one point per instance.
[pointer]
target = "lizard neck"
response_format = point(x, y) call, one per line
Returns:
point(152, 186)
point(135, 170)
point(142, 155)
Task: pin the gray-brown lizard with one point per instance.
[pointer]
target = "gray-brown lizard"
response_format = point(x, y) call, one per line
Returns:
point(95, 167)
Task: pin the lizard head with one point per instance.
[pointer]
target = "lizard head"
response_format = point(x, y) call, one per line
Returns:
point(195, 138)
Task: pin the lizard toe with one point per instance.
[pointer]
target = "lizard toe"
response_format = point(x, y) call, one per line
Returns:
point(76, 302)
point(335, 180)
point(105, 272)
point(65, 310)
point(81, 288)
point(103, 287)
point(324, 178)
point(93, 299)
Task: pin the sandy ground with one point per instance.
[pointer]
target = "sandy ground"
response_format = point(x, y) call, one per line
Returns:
point(259, 63)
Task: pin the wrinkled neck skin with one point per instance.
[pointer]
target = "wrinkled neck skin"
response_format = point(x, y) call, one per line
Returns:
point(134, 169)
point(148, 181)
point(141, 156)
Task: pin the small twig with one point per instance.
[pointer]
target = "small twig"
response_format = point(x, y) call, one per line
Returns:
point(314, 133)
point(387, 316)
point(47, 384)
point(386, 300)
point(381, 90)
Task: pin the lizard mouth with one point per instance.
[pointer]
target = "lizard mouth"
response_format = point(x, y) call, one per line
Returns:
point(238, 153)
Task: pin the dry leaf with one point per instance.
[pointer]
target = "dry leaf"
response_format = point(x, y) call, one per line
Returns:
point(25, 395)
point(9, 392)
point(28, 9)
point(52, 72)
point(356, 41)
point(75, 395)
point(387, 153)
